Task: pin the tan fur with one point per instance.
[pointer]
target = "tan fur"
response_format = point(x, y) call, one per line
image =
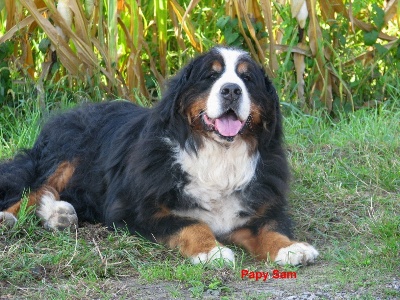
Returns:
point(194, 114)
point(263, 245)
point(216, 66)
point(163, 212)
point(55, 184)
point(193, 239)
point(242, 67)
point(255, 113)
point(60, 178)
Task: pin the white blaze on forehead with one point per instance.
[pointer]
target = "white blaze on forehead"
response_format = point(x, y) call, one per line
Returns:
point(214, 102)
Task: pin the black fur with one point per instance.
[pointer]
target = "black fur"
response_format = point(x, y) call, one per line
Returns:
point(125, 171)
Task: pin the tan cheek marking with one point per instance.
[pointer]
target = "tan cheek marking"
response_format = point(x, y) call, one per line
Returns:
point(255, 112)
point(265, 244)
point(194, 113)
point(193, 239)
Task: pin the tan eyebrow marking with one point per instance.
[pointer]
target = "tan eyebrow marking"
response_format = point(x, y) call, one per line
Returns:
point(243, 67)
point(216, 66)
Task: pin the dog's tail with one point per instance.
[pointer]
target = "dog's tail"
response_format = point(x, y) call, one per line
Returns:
point(16, 176)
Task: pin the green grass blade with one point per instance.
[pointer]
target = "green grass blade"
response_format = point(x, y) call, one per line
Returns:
point(161, 13)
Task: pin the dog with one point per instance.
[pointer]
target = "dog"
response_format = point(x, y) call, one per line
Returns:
point(202, 169)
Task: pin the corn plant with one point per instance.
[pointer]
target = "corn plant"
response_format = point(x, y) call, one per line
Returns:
point(320, 53)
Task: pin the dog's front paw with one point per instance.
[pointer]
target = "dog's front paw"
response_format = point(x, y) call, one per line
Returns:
point(7, 219)
point(56, 215)
point(218, 253)
point(296, 254)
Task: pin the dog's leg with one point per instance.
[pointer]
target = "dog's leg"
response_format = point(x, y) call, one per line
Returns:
point(194, 239)
point(8, 217)
point(55, 214)
point(198, 243)
point(269, 244)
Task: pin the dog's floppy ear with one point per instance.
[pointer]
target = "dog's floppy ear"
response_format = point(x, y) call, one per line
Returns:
point(169, 104)
point(168, 110)
point(272, 119)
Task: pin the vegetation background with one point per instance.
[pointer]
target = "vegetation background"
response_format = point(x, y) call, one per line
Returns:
point(339, 55)
point(336, 67)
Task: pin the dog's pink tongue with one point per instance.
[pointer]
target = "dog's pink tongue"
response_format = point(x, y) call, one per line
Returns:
point(228, 125)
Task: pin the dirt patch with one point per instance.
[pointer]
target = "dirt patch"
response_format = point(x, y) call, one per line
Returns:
point(313, 284)
point(274, 289)
point(82, 273)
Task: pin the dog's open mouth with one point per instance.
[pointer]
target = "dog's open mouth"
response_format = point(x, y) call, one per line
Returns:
point(227, 125)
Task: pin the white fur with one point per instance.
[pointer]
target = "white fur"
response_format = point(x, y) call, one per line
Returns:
point(7, 219)
point(215, 174)
point(217, 252)
point(214, 105)
point(295, 254)
point(56, 214)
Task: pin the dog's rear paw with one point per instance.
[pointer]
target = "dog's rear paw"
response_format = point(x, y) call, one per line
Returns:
point(296, 254)
point(218, 253)
point(56, 215)
point(7, 219)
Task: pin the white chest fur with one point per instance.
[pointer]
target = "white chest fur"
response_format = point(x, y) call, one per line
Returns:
point(215, 174)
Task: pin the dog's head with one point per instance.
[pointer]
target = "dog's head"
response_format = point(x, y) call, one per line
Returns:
point(224, 95)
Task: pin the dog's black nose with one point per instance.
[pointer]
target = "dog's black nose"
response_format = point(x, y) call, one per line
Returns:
point(231, 91)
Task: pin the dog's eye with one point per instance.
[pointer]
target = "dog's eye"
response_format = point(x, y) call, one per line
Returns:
point(212, 75)
point(246, 77)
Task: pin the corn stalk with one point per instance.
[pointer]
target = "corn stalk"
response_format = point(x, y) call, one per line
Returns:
point(122, 46)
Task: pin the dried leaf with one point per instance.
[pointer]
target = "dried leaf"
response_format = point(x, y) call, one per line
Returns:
point(391, 10)
point(273, 60)
point(63, 8)
point(299, 11)
point(330, 7)
point(237, 11)
point(24, 23)
point(190, 7)
point(314, 30)
point(28, 57)
point(187, 25)
point(300, 67)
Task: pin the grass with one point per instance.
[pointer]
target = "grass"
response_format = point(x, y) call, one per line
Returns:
point(345, 200)
point(347, 177)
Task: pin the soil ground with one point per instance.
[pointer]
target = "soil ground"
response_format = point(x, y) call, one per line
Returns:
point(319, 281)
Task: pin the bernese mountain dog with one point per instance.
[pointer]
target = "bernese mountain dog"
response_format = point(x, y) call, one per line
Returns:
point(202, 169)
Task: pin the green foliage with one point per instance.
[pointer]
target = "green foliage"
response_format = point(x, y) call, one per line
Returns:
point(228, 27)
point(6, 49)
point(370, 37)
point(378, 16)
point(123, 49)
point(230, 34)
